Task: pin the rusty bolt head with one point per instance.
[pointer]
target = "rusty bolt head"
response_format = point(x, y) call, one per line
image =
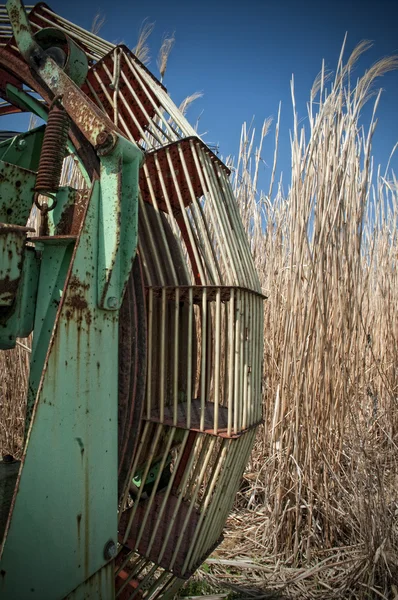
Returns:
point(102, 138)
point(110, 550)
point(105, 142)
point(111, 302)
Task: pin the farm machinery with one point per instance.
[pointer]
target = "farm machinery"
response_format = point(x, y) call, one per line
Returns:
point(124, 259)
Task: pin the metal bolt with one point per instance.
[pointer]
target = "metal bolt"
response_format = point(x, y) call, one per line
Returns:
point(110, 550)
point(21, 144)
point(112, 302)
point(102, 138)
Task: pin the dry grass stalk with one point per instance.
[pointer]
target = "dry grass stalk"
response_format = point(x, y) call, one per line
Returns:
point(164, 54)
point(142, 50)
point(324, 473)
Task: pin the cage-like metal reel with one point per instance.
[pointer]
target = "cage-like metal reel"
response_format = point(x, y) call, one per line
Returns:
point(190, 330)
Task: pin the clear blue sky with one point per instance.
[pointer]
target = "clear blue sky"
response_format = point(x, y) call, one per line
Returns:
point(242, 55)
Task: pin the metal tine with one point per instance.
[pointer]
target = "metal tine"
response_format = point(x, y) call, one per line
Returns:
point(192, 554)
point(146, 86)
point(237, 233)
point(149, 355)
point(209, 205)
point(154, 249)
point(161, 227)
point(110, 100)
point(78, 31)
point(219, 280)
point(127, 560)
point(237, 372)
point(143, 133)
point(149, 460)
point(166, 198)
point(139, 567)
point(245, 354)
point(133, 468)
point(159, 581)
point(235, 459)
point(242, 358)
point(185, 218)
point(260, 358)
point(254, 281)
point(231, 352)
point(189, 362)
point(169, 590)
point(147, 578)
point(177, 506)
point(155, 485)
point(223, 217)
point(155, 525)
point(217, 361)
point(192, 499)
point(176, 353)
point(239, 455)
point(171, 137)
point(250, 361)
point(168, 104)
point(201, 449)
point(203, 383)
point(203, 238)
point(162, 355)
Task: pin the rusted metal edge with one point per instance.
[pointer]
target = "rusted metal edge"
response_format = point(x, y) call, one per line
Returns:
point(198, 141)
point(184, 290)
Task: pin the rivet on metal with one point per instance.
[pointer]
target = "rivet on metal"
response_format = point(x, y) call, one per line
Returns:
point(112, 302)
point(110, 550)
point(21, 144)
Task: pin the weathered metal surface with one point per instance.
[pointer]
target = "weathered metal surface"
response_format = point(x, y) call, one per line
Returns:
point(20, 322)
point(65, 52)
point(100, 80)
point(12, 243)
point(157, 160)
point(16, 193)
point(118, 221)
point(172, 537)
point(8, 477)
point(132, 371)
point(71, 489)
point(100, 586)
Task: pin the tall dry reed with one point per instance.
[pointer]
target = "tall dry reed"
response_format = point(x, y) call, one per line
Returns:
point(321, 492)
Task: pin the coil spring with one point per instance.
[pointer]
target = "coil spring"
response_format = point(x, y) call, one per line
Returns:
point(52, 154)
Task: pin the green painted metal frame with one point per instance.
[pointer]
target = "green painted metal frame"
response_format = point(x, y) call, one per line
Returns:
point(64, 511)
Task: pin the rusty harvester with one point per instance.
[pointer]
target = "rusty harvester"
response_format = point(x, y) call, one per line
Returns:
point(147, 317)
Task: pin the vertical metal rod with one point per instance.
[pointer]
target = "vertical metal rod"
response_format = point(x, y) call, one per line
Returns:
point(217, 360)
point(203, 387)
point(237, 364)
point(189, 349)
point(192, 500)
point(165, 454)
point(139, 566)
point(162, 382)
point(155, 526)
point(149, 355)
point(176, 353)
point(231, 352)
point(241, 358)
point(245, 356)
point(148, 464)
point(177, 507)
point(185, 218)
point(134, 467)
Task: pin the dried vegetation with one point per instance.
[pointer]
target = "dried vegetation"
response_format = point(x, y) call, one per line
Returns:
point(317, 512)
